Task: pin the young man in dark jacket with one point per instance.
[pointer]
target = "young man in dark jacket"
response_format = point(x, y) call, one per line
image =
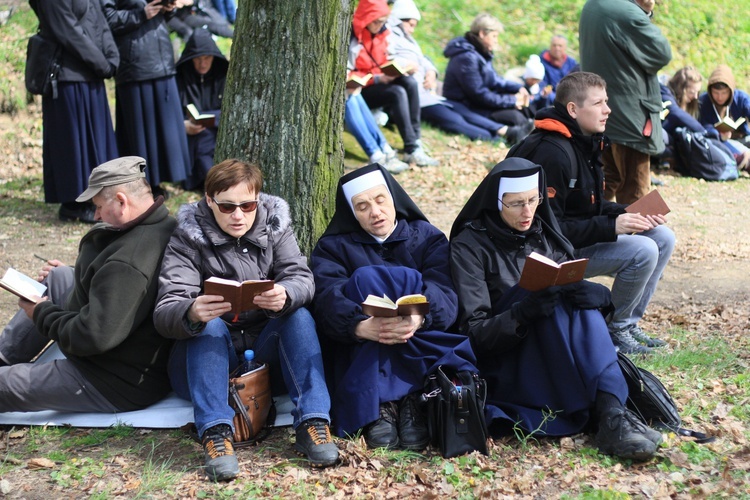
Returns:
point(114, 359)
point(633, 248)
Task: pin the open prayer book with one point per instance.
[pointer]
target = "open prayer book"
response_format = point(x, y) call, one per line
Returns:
point(355, 81)
point(21, 285)
point(392, 68)
point(726, 124)
point(540, 272)
point(205, 119)
point(240, 295)
point(404, 306)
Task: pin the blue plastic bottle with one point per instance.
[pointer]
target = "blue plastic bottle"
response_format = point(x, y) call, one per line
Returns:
point(250, 362)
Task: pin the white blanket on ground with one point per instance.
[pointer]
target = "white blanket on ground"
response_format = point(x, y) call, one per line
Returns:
point(170, 412)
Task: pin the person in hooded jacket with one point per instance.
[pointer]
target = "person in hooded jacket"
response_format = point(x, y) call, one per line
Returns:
point(77, 127)
point(201, 76)
point(239, 233)
point(378, 242)
point(635, 249)
point(455, 118)
point(548, 360)
point(471, 80)
point(368, 51)
point(148, 113)
point(723, 99)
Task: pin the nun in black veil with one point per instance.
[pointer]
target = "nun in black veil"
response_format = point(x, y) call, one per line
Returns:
point(378, 242)
point(547, 356)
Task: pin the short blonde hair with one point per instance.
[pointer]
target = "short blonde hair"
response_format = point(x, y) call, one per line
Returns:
point(485, 22)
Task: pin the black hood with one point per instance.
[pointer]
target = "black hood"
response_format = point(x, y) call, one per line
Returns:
point(483, 202)
point(201, 43)
point(343, 220)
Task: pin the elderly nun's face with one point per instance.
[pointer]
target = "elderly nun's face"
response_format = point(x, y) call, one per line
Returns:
point(375, 211)
point(519, 209)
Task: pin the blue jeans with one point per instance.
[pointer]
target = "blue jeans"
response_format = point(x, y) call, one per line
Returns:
point(199, 368)
point(360, 123)
point(637, 263)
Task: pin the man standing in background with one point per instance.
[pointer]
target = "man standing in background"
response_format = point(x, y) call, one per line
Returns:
point(619, 43)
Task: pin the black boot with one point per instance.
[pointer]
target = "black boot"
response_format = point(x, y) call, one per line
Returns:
point(412, 425)
point(383, 432)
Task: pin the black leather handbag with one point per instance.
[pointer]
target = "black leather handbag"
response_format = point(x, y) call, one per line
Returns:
point(455, 412)
point(42, 66)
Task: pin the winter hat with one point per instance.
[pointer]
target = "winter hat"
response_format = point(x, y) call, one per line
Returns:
point(534, 68)
point(405, 9)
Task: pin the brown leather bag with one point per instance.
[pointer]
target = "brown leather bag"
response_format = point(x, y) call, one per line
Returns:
point(250, 396)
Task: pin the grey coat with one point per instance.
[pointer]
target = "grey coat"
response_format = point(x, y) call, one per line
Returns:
point(199, 249)
point(619, 42)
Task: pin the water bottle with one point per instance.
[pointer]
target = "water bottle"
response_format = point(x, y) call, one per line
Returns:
point(250, 363)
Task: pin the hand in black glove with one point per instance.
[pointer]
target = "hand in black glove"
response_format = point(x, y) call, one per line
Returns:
point(536, 305)
point(587, 295)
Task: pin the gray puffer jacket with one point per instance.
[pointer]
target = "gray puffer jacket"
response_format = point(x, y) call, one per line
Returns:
point(199, 249)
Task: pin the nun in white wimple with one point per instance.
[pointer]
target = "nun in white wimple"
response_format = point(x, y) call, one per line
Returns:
point(547, 356)
point(378, 242)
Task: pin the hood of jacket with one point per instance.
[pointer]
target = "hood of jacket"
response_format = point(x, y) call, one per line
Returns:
point(555, 118)
point(196, 221)
point(466, 43)
point(366, 12)
point(201, 43)
point(723, 74)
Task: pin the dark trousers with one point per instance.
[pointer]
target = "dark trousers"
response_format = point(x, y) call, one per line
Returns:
point(458, 119)
point(401, 101)
point(509, 117)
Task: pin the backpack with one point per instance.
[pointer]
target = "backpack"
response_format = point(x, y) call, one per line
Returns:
point(526, 147)
point(703, 157)
point(649, 399)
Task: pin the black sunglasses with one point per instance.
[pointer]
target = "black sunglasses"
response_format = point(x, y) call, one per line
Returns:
point(226, 207)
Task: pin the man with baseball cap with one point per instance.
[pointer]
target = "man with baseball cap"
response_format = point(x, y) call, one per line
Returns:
point(99, 312)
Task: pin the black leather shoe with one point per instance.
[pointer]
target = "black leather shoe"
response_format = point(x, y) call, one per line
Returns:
point(412, 425)
point(383, 432)
point(621, 433)
point(71, 212)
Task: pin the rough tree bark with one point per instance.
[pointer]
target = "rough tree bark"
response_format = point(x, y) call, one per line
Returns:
point(283, 105)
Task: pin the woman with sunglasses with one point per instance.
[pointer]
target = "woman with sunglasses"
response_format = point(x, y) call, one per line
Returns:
point(547, 356)
point(237, 232)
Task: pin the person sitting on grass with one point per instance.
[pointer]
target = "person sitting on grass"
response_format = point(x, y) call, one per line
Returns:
point(378, 242)
point(238, 232)
point(549, 362)
point(100, 312)
point(633, 248)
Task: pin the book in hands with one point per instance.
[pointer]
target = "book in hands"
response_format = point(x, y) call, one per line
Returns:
point(540, 272)
point(23, 286)
point(392, 68)
point(651, 204)
point(383, 307)
point(355, 81)
point(726, 124)
point(205, 119)
point(240, 295)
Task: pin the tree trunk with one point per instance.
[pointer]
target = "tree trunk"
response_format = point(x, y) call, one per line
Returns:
point(283, 105)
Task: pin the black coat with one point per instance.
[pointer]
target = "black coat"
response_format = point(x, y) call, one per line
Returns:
point(146, 51)
point(585, 217)
point(205, 91)
point(78, 26)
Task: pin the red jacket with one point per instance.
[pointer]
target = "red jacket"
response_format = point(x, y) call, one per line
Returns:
point(367, 52)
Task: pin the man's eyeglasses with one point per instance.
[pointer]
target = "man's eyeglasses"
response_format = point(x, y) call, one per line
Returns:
point(226, 207)
point(518, 205)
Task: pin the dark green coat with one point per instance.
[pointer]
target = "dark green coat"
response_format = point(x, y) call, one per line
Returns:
point(619, 42)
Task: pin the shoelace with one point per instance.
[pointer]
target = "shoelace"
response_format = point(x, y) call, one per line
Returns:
point(317, 430)
point(409, 410)
point(388, 412)
point(219, 446)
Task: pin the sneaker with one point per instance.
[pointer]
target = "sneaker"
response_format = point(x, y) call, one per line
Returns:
point(517, 133)
point(383, 432)
point(621, 433)
point(420, 158)
point(314, 441)
point(389, 152)
point(626, 344)
point(395, 166)
point(412, 425)
point(218, 448)
point(642, 337)
point(378, 157)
